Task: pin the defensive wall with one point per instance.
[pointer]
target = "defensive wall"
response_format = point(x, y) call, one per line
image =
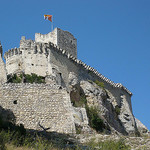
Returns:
point(39, 106)
point(28, 58)
point(46, 58)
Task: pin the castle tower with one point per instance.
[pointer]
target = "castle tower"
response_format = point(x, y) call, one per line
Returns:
point(64, 39)
point(3, 77)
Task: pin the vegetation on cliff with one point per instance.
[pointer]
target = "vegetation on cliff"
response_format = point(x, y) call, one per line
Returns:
point(95, 120)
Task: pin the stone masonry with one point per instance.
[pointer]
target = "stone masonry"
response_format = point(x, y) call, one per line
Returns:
point(54, 56)
point(38, 105)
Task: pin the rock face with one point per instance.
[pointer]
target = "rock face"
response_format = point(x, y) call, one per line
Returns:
point(126, 116)
point(112, 114)
point(141, 127)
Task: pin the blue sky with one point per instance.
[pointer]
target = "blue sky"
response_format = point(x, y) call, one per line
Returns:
point(113, 37)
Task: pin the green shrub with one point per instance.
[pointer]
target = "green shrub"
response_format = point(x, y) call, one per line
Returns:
point(109, 145)
point(94, 119)
point(33, 78)
point(100, 84)
point(92, 113)
point(117, 110)
point(79, 103)
point(14, 79)
point(137, 133)
point(2, 141)
point(78, 129)
point(90, 72)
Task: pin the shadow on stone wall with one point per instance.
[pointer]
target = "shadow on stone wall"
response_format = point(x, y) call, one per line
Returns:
point(7, 118)
point(10, 132)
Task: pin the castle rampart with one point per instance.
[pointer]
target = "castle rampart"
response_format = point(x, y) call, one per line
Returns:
point(54, 56)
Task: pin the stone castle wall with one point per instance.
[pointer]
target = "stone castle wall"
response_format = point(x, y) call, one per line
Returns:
point(36, 105)
point(59, 61)
point(46, 38)
point(63, 39)
point(44, 57)
point(67, 42)
point(28, 58)
point(67, 63)
point(119, 95)
point(33, 56)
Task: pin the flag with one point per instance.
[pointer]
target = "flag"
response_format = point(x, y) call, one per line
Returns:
point(49, 17)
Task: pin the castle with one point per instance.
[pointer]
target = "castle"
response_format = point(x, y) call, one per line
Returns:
point(54, 56)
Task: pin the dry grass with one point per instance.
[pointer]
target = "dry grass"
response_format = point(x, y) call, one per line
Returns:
point(12, 147)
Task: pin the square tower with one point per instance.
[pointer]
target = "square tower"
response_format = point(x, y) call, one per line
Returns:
point(64, 39)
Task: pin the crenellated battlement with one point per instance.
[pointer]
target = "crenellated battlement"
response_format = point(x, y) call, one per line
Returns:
point(12, 52)
point(30, 57)
point(26, 43)
point(37, 48)
point(46, 38)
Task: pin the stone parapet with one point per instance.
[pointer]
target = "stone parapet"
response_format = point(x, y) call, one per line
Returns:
point(12, 52)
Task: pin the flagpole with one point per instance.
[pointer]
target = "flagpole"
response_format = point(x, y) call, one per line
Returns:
point(50, 18)
point(52, 24)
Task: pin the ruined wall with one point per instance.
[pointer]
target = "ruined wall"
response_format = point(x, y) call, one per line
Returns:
point(36, 105)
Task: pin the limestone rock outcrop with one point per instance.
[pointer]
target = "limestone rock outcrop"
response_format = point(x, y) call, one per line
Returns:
point(111, 113)
point(141, 127)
